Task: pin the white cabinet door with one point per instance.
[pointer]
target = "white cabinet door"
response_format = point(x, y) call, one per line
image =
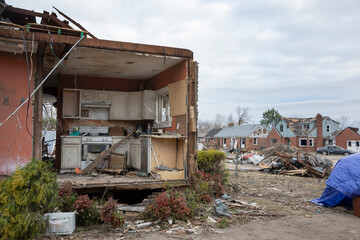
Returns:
point(104, 96)
point(135, 106)
point(118, 106)
point(149, 104)
point(88, 95)
point(135, 153)
point(70, 156)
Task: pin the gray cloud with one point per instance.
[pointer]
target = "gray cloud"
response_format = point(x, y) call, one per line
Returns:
point(299, 56)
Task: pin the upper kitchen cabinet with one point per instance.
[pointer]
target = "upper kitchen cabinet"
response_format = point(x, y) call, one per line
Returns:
point(104, 96)
point(135, 103)
point(149, 104)
point(88, 95)
point(71, 103)
point(118, 108)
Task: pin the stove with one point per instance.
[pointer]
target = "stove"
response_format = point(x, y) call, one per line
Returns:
point(96, 140)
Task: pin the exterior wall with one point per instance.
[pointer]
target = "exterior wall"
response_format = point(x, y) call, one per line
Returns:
point(346, 135)
point(333, 127)
point(286, 131)
point(274, 135)
point(15, 142)
point(261, 143)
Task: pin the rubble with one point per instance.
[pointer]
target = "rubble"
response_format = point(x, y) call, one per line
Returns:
point(283, 159)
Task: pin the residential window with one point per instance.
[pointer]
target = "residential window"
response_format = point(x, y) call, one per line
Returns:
point(255, 141)
point(281, 128)
point(311, 142)
point(303, 142)
point(207, 140)
point(330, 142)
point(357, 144)
point(328, 128)
point(224, 140)
point(274, 140)
point(163, 117)
point(306, 126)
point(349, 143)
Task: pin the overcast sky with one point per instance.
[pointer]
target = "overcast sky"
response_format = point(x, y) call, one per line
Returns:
point(301, 57)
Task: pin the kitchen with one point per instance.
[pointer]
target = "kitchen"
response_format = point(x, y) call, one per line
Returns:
point(97, 111)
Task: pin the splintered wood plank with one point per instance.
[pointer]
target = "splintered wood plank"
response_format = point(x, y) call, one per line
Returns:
point(104, 154)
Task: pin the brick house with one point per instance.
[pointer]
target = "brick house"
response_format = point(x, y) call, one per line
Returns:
point(306, 133)
point(210, 140)
point(349, 138)
point(251, 137)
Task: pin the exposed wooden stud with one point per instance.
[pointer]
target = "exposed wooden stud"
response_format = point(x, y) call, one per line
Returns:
point(37, 145)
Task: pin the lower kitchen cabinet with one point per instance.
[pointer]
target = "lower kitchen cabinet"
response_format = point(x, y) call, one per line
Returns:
point(70, 152)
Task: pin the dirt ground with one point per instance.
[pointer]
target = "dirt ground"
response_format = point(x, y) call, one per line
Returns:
point(285, 200)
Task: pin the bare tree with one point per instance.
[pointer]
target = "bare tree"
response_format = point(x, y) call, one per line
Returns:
point(230, 118)
point(343, 122)
point(242, 115)
point(219, 121)
point(205, 125)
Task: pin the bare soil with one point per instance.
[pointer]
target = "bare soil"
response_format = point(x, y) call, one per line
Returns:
point(286, 198)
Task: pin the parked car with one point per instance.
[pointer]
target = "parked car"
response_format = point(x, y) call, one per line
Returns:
point(333, 150)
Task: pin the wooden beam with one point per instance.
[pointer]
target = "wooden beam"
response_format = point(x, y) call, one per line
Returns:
point(37, 144)
point(74, 22)
point(104, 154)
point(24, 11)
point(57, 21)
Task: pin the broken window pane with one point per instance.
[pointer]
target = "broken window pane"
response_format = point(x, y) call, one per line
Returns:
point(303, 142)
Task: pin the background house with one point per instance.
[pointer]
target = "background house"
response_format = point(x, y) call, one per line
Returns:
point(251, 137)
point(210, 139)
point(306, 133)
point(349, 139)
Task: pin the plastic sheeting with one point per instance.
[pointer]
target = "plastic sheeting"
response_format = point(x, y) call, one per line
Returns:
point(343, 183)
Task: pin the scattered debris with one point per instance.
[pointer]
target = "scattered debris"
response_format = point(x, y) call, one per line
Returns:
point(283, 159)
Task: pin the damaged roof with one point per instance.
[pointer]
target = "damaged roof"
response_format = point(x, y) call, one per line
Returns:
point(91, 57)
point(296, 125)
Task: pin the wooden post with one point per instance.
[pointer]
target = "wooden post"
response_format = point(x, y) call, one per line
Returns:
point(37, 123)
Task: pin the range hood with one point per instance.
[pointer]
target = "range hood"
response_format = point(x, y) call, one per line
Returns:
point(95, 105)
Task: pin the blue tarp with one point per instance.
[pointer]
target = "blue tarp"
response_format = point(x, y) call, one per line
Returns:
point(343, 183)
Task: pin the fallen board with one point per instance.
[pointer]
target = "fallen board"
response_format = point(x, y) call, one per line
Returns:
point(104, 154)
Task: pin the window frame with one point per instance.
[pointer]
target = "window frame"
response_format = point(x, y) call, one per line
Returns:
point(311, 142)
point(160, 94)
point(300, 139)
point(327, 128)
point(281, 128)
point(255, 141)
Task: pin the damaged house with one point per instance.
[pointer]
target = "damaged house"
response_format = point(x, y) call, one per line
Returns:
point(124, 107)
point(305, 133)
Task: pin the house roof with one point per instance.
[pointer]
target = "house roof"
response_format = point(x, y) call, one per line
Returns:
point(213, 132)
point(99, 58)
point(238, 131)
point(295, 125)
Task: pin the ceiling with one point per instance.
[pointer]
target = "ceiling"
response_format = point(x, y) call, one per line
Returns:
point(108, 63)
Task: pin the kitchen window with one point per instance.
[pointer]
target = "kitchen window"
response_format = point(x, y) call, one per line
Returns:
point(163, 117)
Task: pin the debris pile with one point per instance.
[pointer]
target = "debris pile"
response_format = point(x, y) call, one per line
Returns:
point(283, 159)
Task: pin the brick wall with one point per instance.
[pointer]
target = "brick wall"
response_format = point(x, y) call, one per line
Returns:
point(344, 136)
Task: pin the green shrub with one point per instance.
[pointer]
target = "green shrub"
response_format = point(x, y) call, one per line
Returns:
point(25, 196)
point(211, 161)
point(193, 200)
